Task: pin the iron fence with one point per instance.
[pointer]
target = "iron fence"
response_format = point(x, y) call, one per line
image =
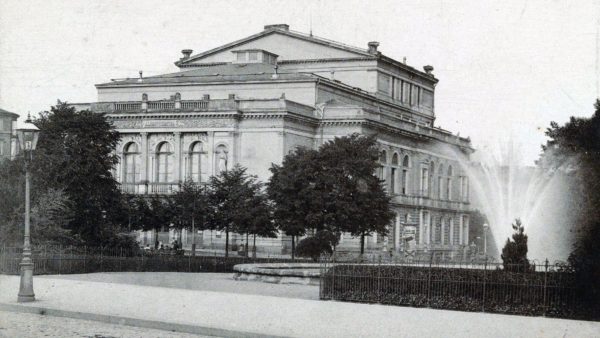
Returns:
point(531, 289)
point(73, 260)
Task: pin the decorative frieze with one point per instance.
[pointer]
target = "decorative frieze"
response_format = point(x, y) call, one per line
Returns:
point(198, 123)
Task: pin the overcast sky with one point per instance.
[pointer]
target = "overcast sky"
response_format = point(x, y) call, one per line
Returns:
point(506, 68)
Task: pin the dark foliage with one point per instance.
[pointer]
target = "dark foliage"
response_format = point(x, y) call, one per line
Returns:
point(331, 189)
point(574, 149)
point(514, 291)
point(514, 252)
point(313, 247)
point(75, 154)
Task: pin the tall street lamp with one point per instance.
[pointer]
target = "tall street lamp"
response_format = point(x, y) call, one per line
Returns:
point(485, 230)
point(27, 136)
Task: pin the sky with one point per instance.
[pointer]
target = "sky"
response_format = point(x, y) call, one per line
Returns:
point(506, 68)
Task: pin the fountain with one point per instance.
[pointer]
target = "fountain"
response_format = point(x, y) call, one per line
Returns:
point(503, 189)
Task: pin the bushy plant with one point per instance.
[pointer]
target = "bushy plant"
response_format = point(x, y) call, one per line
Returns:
point(514, 253)
point(312, 247)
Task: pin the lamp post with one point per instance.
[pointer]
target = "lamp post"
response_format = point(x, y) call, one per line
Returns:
point(27, 136)
point(485, 230)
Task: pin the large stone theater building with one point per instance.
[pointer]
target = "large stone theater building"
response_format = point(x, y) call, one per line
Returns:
point(254, 100)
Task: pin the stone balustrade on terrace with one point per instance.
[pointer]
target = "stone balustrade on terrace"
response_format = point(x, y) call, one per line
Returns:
point(425, 201)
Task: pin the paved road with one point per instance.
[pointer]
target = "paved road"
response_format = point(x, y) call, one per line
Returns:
point(219, 282)
point(25, 325)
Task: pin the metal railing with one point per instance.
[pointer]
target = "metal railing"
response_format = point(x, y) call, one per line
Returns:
point(533, 289)
point(83, 259)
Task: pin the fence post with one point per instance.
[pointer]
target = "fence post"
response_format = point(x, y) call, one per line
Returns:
point(546, 287)
point(101, 265)
point(429, 280)
point(484, 284)
point(379, 279)
point(333, 277)
point(121, 259)
point(60, 249)
point(84, 258)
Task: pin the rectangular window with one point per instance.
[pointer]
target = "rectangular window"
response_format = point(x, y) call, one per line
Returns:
point(253, 56)
point(1, 124)
point(405, 92)
point(440, 188)
point(241, 56)
point(427, 98)
point(414, 96)
point(383, 83)
point(397, 89)
point(1, 148)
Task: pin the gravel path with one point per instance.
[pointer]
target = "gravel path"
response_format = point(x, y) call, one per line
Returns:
point(221, 282)
point(25, 325)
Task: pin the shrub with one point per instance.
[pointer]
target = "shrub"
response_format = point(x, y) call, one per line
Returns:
point(314, 246)
point(514, 253)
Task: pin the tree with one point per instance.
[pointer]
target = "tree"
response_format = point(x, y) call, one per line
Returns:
point(574, 149)
point(190, 206)
point(75, 154)
point(235, 203)
point(331, 189)
point(514, 253)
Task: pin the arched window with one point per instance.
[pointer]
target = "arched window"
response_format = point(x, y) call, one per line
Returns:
point(406, 161)
point(195, 162)
point(382, 163)
point(393, 176)
point(164, 162)
point(131, 163)
point(405, 168)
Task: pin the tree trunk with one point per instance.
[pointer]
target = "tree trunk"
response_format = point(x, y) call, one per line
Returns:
point(226, 242)
point(246, 249)
point(254, 247)
point(155, 238)
point(362, 244)
point(293, 247)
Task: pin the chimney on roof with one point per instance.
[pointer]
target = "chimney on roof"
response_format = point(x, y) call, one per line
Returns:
point(186, 53)
point(280, 26)
point(428, 69)
point(373, 47)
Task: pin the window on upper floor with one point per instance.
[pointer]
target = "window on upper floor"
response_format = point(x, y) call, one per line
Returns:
point(1, 124)
point(253, 56)
point(405, 92)
point(427, 98)
point(383, 84)
point(414, 95)
point(240, 56)
point(1, 148)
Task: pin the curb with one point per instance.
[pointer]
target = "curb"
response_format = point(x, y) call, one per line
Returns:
point(149, 324)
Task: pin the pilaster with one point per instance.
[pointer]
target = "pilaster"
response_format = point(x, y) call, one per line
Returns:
point(177, 157)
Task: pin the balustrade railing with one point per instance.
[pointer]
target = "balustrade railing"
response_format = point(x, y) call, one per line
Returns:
point(161, 105)
point(149, 188)
point(128, 106)
point(194, 104)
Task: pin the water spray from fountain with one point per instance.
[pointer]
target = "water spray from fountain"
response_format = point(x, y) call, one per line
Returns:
point(504, 189)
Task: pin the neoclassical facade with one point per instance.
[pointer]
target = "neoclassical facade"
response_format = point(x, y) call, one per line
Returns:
point(8, 121)
point(254, 100)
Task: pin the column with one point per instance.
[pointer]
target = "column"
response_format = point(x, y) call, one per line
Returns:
point(460, 230)
point(397, 234)
point(451, 233)
point(211, 153)
point(177, 157)
point(442, 232)
point(466, 234)
point(421, 227)
point(144, 161)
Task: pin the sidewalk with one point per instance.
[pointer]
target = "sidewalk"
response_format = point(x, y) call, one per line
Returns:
point(243, 315)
